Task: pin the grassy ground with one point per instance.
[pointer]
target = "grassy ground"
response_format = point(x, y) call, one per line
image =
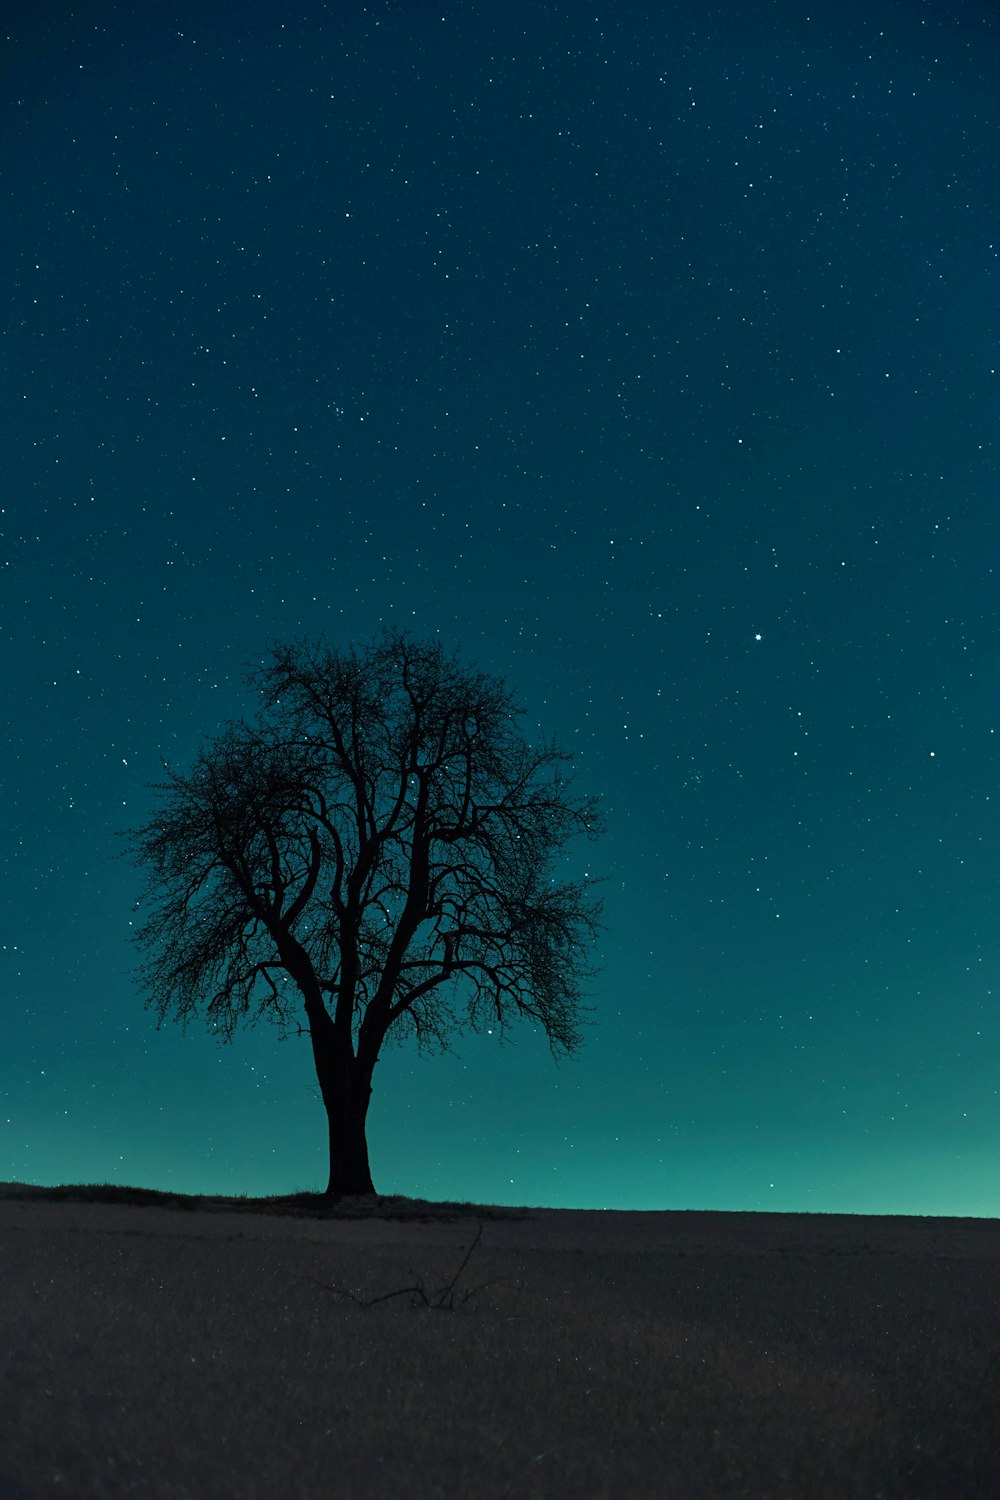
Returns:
point(142, 1355)
point(292, 1205)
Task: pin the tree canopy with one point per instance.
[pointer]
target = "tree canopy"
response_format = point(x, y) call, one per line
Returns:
point(371, 856)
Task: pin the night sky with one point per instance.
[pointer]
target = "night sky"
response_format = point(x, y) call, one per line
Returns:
point(648, 358)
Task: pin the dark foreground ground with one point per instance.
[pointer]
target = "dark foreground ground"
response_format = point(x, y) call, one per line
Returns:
point(177, 1348)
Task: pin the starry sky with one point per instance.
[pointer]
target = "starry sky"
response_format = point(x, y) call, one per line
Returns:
point(644, 354)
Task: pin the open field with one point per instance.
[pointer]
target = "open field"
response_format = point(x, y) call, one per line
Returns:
point(174, 1349)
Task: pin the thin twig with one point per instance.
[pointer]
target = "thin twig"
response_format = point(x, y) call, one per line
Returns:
point(441, 1300)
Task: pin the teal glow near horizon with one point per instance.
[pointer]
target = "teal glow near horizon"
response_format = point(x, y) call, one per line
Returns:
point(649, 362)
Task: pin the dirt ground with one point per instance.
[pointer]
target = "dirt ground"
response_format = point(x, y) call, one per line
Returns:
point(174, 1354)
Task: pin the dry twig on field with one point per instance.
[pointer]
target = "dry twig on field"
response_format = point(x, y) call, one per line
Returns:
point(442, 1300)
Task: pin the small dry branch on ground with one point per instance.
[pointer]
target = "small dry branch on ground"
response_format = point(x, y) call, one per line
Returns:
point(442, 1300)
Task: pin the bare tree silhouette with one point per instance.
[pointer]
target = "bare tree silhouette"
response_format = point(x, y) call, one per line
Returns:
point(373, 851)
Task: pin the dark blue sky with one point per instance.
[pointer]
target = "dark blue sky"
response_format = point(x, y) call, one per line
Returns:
point(647, 356)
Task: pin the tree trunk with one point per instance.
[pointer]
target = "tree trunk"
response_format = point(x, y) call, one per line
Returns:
point(350, 1173)
point(345, 1083)
point(346, 1095)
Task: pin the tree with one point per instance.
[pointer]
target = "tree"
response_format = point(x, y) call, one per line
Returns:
point(375, 848)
